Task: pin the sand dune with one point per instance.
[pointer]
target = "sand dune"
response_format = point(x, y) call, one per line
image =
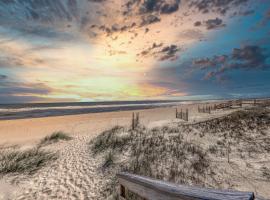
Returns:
point(77, 173)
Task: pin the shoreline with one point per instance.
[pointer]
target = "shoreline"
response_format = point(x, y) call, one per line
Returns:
point(13, 112)
point(29, 130)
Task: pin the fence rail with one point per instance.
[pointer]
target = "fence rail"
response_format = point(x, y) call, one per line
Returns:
point(152, 189)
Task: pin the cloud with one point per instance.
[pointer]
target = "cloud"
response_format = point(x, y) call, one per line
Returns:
point(214, 23)
point(246, 13)
point(252, 56)
point(216, 6)
point(249, 57)
point(151, 50)
point(8, 87)
point(12, 91)
point(161, 53)
point(197, 23)
point(191, 34)
point(265, 19)
point(2, 77)
point(161, 6)
point(205, 63)
point(169, 52)
point(210, 23)
point(149, 19)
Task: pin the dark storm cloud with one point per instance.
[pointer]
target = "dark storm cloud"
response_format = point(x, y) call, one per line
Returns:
point(198, 23)
point(253, 56)
point(2, 77)
point(166, 53)
point(205, 63)
point(210, 23)
point(152, 6)
point(115, 28)
point(214, 23)
point(149, 19)
point(150, 50)
point(161, 6)
point(169, 52)
point(250, 57)
point(217, 6)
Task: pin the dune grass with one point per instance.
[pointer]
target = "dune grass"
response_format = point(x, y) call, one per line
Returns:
point(24, 161)
point(55, 137)
point(166, 153)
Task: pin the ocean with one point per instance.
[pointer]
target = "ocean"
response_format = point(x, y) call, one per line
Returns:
point(35, 110)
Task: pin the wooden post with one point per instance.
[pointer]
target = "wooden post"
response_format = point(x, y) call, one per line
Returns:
point(137, 120)
point(133, 121)
point(122, 192)
point(228, 152)
point(181, 114)
point(176, 113)
point(187, 115)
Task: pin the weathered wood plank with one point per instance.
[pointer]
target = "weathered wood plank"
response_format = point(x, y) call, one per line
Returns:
point(152, 189)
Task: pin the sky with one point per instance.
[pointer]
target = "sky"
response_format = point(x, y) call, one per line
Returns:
point(104, 50)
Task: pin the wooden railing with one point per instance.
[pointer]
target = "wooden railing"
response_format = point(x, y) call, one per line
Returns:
point(151, 189)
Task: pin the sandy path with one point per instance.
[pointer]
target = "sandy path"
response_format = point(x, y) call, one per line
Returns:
point(75, 175)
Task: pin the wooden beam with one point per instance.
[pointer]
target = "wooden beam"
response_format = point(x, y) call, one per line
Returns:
point(152, 189)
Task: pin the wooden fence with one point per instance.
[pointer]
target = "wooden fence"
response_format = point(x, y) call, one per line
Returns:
point(205, 109)
point(229, 104)
point(181, 114)
point(151, 189)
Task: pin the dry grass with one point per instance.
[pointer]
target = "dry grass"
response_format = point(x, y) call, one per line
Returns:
point(152, 153)
point(24, 161)
point(55, 137)
point(179, 154)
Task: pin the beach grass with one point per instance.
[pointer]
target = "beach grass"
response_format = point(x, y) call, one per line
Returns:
point(24, 161)
point(168, 153)
point(55, 137)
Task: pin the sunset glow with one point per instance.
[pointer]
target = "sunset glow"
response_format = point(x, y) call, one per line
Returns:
point(114, 50)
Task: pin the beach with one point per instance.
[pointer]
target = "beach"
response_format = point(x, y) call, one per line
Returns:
point(32, 129)
point(77, 173)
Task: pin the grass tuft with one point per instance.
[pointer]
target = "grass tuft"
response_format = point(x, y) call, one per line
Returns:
point(24, 161)
point(109, 160)
point(55, 137)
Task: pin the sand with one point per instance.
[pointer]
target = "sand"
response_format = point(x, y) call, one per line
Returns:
point(76, 174)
